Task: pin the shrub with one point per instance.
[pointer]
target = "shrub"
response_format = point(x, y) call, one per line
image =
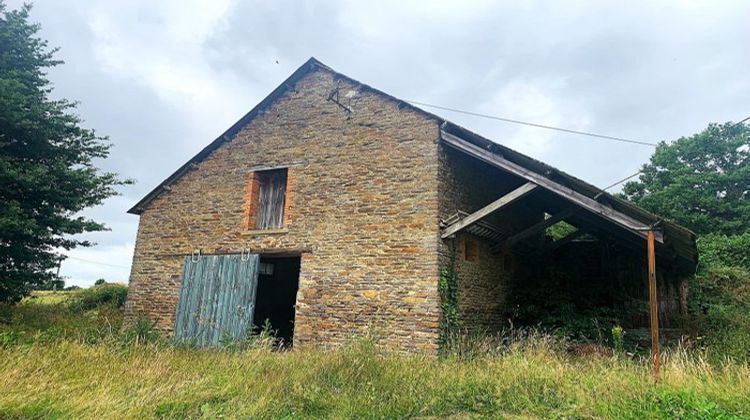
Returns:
point(720, 304)
point(720, 296)
point(105, 294)
point(724, 251)
point(10, 338)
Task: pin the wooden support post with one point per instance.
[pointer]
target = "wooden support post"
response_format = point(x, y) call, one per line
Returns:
point(653, 303)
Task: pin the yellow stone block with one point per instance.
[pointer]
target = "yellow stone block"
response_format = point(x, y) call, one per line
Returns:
point(370, 294)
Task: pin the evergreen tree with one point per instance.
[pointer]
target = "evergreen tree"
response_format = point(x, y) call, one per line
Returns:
point(47, 171)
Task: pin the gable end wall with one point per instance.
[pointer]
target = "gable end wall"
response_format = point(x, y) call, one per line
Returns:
point(364, 203)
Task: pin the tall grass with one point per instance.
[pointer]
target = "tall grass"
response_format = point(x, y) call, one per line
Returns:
point(52, 316)
point(73, 379)
point(522, 375)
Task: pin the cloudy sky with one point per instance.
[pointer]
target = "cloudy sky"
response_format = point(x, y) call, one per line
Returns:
point(164, 78)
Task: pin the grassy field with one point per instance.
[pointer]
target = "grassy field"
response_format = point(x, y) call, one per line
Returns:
point(59, 360)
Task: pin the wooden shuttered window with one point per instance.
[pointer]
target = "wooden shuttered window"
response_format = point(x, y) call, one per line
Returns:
point(271, 198)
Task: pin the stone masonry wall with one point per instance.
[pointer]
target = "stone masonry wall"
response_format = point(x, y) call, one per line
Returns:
point(467, 184)
point(363, 199)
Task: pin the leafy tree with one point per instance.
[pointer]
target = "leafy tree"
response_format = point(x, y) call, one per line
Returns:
point(701, 181)
point(47, 172)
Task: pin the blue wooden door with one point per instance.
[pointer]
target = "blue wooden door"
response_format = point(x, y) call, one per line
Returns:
point(217, 298)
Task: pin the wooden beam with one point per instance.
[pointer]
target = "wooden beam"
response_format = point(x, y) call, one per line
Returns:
point(277, 252)
point(566, 239)
point(597, 225)
point(489, 209)
point(544, 224)
point(635, 226)
point(653, 303)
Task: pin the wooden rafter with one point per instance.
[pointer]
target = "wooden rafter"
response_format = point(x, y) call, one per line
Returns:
point(544, 224)
point(618, 218)
point(489, 209)
point(565, 240)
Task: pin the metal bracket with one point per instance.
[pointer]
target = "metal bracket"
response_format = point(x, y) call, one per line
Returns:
point(334, 97)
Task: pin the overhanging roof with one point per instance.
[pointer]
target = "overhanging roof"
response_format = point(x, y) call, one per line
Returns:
point(623, 214)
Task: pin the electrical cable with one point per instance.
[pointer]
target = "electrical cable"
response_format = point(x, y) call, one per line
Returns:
point(96, 262)
point(530, 124)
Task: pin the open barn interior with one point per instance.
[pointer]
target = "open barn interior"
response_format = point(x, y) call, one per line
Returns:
point(564, 253)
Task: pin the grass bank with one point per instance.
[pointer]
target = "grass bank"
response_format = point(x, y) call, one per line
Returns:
point(94, 370)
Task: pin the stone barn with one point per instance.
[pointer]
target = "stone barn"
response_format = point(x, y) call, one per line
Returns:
point(333, 209)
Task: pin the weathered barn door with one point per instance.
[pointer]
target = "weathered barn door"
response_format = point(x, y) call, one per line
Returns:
point(217, 299)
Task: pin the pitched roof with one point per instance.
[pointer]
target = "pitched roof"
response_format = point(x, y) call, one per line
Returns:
point(682, 239)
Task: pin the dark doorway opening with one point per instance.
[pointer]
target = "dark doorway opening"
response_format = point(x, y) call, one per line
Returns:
point(278, 280)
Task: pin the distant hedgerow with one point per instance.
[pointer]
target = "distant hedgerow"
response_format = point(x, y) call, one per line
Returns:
point(105, 294)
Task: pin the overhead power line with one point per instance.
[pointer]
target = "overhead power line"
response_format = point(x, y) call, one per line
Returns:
point(639, 172)
point(621, 181)
point(531, 124)
point(96, 262)
point(740, 122)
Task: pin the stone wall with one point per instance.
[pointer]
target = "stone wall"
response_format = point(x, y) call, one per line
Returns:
point(364, 206)
point(467, 184)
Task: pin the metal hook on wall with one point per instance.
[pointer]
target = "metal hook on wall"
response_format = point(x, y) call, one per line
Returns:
point(334, 97)
point(244, 256)
point(195, 256)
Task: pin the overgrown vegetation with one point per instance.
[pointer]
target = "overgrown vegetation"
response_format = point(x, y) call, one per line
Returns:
point(569, 296)
point(720, 296)
point(450, 322)
point(703, 182)
point(85, 316)
point(718, 305)
point(724, 251)
point(99, 372)
point(557, 303)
